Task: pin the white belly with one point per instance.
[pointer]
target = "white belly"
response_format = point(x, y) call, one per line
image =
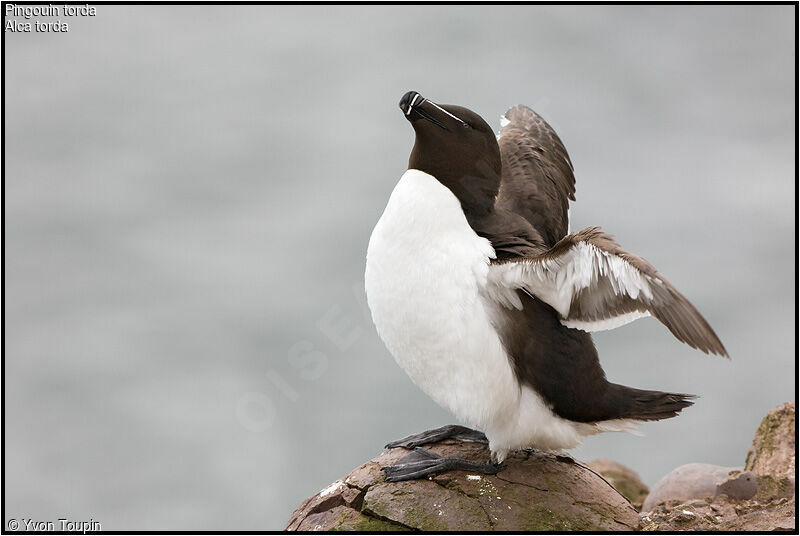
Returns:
point(425, 269)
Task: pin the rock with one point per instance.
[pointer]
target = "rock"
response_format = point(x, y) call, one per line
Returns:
point(771, 456)
point(771, 517)
point(770, 488)
point(723, 514)
point(624, 480)
point(760, 498)
point(533, 491)
point(773, 449)
point(738, 485)
point(688, 482)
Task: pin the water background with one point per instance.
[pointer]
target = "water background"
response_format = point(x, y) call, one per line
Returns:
point(189, 192)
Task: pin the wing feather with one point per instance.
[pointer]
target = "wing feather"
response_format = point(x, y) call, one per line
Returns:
point(593, 284)
point(537, 175)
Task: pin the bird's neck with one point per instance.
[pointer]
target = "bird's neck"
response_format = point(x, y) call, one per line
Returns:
point(475, 183)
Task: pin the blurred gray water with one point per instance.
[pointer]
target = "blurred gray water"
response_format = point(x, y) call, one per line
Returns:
point(189, 195)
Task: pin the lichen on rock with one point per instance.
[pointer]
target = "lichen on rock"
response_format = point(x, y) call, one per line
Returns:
point(773, 449)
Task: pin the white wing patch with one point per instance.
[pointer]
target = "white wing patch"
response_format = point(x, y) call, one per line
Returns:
point(503, 123)
point(505, 296)
point(568, 224)
point(557, 280)
point(606, 323)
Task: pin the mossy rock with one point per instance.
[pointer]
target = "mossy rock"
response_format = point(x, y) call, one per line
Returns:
point(534, 491)
point(773, 449)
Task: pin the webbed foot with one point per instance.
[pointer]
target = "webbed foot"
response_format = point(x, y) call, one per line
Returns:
point(451, 431)
point(421, 463)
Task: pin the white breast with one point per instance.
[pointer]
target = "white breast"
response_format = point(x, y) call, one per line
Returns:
point(426, 281)
point(425, 269)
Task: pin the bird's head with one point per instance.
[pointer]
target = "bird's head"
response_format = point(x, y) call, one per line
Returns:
point(455, 145)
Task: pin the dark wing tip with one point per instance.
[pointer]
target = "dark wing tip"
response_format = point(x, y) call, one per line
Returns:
point(686, 323)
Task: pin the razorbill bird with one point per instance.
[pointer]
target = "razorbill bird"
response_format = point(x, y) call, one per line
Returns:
point(487, 302)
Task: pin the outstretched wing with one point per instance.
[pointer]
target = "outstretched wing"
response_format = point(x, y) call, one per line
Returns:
point(537, 175)
point(593, 284)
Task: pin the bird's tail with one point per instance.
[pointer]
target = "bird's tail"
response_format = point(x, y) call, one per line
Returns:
point(641, 405)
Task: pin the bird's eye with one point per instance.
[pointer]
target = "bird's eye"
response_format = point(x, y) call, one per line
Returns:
point(466, 125)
